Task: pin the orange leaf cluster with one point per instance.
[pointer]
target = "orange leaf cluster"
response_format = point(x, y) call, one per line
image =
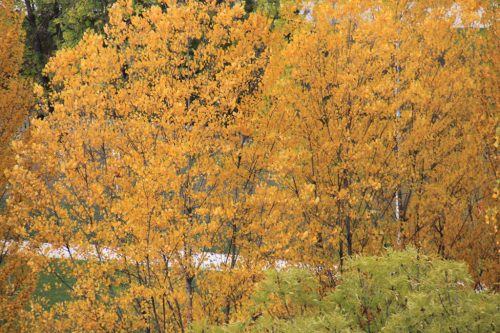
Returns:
point(200, 132)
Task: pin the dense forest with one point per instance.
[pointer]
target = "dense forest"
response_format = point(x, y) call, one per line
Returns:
point(249, 166)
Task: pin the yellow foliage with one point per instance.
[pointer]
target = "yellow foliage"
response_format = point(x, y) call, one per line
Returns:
point(15, 96)
point(192, 148)
point(387, 118)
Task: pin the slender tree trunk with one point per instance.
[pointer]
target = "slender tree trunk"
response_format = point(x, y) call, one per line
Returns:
point(57, 13)
point(36, 43)
point(397, 204)
point(36, 40)
point(348, 236)
point(341, 254)
point(232, 249)
point(189, 289)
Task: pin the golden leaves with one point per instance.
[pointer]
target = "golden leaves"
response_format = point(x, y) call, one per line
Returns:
point(193, 134)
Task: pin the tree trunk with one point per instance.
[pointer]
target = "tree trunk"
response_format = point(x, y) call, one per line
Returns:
point(348, 236)
point(36, 43)
point(189, 289)
point(35, 38)
point(341, 254)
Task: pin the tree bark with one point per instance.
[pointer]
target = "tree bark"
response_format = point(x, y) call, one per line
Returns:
point(189, 289)
point(35, 38)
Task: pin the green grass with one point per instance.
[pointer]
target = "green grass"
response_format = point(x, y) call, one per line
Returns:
point(50, 288)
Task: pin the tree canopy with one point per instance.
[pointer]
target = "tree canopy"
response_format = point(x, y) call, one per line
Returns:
point(250, 165)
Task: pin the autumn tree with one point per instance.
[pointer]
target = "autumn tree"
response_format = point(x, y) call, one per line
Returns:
point(446, 130)
point(16, 280)
point(193, 145)
point(333, 85)
point(148, 164)
point(388, 114)
point(15, 95)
